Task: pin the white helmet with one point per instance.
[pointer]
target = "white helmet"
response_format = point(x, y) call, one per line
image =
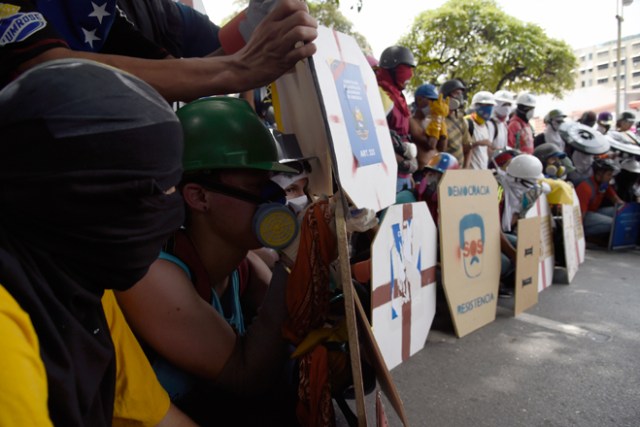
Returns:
point(483, 97)
point(525, 166)
point(505, 96)
point(526, 99)
point(630, 165)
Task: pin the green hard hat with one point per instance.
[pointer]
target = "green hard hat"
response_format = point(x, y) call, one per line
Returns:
point(225, 133)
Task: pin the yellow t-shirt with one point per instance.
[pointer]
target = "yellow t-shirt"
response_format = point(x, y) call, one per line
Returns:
point(23, 379)
point(387, 102)
point(140, 400)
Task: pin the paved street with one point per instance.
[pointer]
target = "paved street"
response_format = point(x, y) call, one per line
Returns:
point(572, 360)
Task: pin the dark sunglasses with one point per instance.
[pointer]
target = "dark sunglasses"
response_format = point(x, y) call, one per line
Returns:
point(270, 192)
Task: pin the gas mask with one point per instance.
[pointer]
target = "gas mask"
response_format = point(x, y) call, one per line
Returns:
point(456, 102)
point(529, 114)
point(298, 204)
point(555, 171)
point(555, 124)
point(502, 110)
point(274, 224)
point(484, 111)
point(582, 162)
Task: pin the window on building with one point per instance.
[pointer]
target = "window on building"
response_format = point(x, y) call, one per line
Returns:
point(614, 77)
point(591, 56)
point(636, 60)
point(583, 58)
point(603, 54)
point(602, 81)
point(635, 47)
point(582, 84)
point(637, 86)
point(603, 66)
point(636, 74)
point(622, 63)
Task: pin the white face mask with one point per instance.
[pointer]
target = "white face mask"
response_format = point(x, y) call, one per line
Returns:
point(582, 161)
point(426, 110)
point(529, 114)
point(297, 204)
point(502, 110)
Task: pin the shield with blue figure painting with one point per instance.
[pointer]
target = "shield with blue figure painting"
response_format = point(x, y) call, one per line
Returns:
point(403, 281)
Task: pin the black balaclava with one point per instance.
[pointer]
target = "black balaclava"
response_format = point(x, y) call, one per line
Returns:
point(86, 155)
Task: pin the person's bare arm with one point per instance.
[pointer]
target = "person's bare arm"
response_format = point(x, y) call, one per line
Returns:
point(418, 136)
point(166, 312)
point(442, 144)
point(507, 248)
point(176, 418)
point(273, 49)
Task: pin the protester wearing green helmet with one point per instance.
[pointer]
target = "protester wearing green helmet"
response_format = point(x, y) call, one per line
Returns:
point(195, 307)
point(222, 133)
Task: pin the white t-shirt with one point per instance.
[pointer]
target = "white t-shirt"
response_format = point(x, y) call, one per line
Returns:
point(479, 155)
point(498, 141)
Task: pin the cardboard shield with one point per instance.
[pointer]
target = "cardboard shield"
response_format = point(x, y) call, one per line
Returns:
point(547, 254)
point(343, 111)
point(626, 227)
point(403, 300)
point(578, 227)
point(528, 259)
point(571, 250)
point(470, 247)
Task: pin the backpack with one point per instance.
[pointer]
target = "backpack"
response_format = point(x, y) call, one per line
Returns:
point(471, 123)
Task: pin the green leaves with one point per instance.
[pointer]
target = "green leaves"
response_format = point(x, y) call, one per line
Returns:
point(474, 40)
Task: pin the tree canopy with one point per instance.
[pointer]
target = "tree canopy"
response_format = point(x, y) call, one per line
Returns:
point(328, 14)
point(475, 41)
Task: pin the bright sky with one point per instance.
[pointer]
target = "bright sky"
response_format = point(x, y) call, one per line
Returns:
point(580, 23)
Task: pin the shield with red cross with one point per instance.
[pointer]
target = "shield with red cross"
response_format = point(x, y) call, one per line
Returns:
point(403, 297)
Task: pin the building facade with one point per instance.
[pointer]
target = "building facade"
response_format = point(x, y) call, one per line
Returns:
point(597, 66)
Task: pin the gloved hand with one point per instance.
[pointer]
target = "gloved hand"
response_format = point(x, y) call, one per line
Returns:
point(439, 110)
point(237, 32)
point(410, 151)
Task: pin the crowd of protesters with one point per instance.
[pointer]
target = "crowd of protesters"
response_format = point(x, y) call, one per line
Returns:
point(142, 278)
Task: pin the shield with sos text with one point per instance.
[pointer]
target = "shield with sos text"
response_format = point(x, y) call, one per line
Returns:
point(470, 247)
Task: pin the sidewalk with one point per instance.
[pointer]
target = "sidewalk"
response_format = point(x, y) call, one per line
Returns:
point(572, 360)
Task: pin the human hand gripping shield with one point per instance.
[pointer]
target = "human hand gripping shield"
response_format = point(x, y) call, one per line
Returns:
point(237, 32)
